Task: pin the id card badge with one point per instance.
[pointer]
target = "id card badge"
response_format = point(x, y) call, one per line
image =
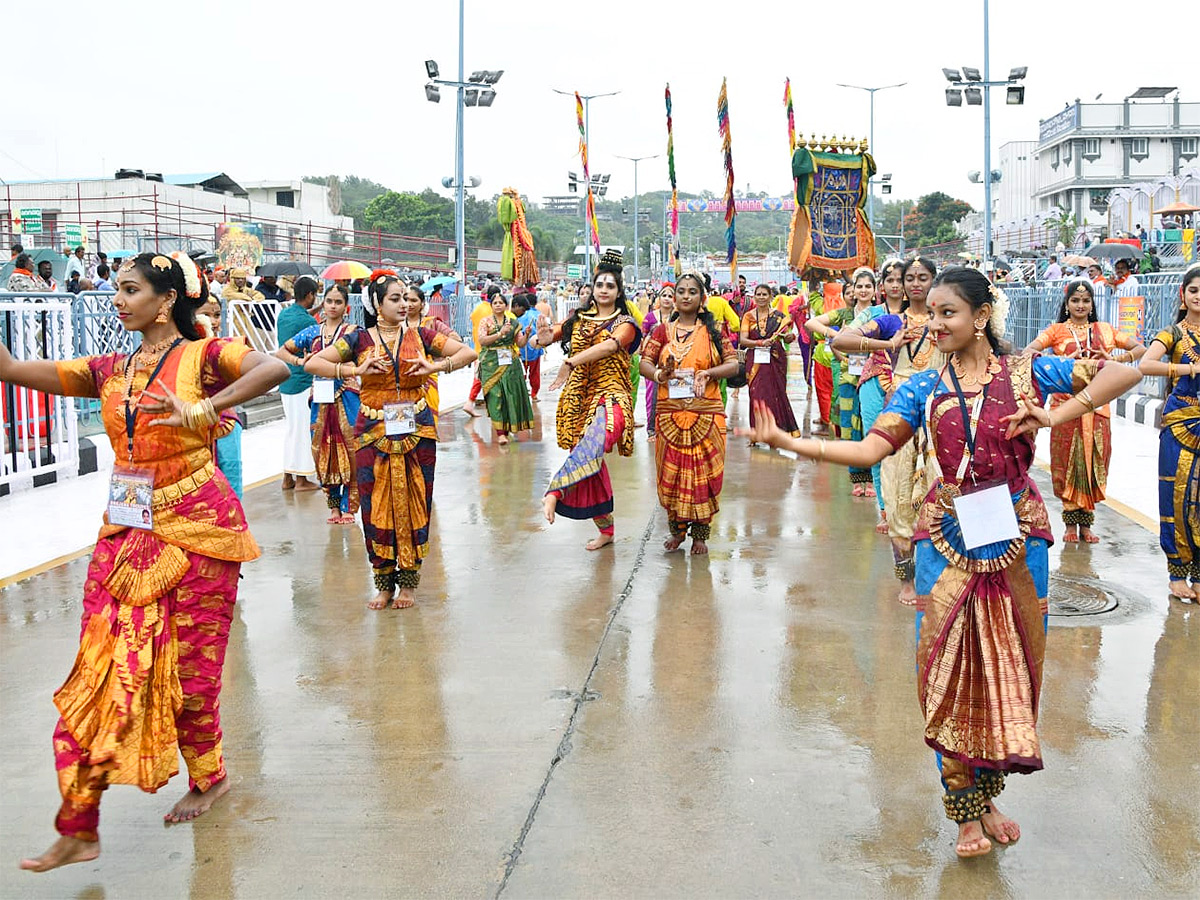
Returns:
point(857, 364)
point(504, 357)
point(323, 390)
point(762, 355)
point(399, 419)
point(682, 384)
point(131, 498)
point(986, 516)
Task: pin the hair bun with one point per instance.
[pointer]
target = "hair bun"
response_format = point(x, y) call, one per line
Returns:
point(612, 259)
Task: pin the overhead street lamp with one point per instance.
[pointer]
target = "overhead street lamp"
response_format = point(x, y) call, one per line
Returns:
point(587, 139)
point(976, 87)
point(636, 247)
point(475, 91)
point(871, 141)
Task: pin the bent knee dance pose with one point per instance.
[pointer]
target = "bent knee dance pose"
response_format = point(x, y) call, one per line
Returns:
point(980, 624)
point(595, 410)
point(163, 578)
point(396, 432)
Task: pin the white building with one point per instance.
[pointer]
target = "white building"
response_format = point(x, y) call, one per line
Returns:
point(1014, 198)
point(140, 211)
point(1091, 149)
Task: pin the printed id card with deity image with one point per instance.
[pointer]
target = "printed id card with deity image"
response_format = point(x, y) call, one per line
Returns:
point(762, 355)
point(681, 385)
point(504, 357)
point(856, 364)
point(986, 516)
point(399, 419)
point(323, 390)
point(131, 497)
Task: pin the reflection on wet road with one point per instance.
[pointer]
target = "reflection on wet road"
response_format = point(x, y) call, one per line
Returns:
point(553, 722)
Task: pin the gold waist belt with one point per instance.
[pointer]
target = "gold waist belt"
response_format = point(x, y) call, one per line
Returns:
point(372, 413)
point(170, 494)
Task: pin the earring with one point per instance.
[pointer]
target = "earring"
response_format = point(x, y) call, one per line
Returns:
point(164, 314)
point(979, 326)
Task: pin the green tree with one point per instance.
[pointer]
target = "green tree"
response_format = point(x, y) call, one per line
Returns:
point(932, 220)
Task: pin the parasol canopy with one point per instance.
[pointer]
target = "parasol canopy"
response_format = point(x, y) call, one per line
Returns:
point(1179, 207)
point(1076, 260)
point(345, 270)
point(289, 268)
point(1114, 251)
point(438, 281)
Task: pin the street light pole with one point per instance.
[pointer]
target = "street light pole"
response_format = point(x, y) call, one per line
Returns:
point(460, 229)
point(871, 141)
point(587, 139)
point(987, 146)
point(636, 246)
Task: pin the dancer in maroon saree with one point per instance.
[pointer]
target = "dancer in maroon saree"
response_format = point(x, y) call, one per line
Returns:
point(765, 333)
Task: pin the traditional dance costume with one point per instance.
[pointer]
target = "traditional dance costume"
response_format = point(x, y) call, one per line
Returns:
point(1179, 457)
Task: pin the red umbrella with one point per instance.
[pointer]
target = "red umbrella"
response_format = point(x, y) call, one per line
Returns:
point(346, 270)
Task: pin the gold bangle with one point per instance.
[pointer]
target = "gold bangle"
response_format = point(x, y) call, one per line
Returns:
point(862, 344)
point(337, 371)
point(820, 451)
point(1085, 397)
point(1170, 371)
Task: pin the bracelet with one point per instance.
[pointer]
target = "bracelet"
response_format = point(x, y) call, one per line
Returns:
point(1170, 371)
point(337, 371)
point(862, 344)
point(200, 414)
point(1085, 397)
point(820, 451)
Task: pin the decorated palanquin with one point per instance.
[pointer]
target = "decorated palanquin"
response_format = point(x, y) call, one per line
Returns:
point(829, 229)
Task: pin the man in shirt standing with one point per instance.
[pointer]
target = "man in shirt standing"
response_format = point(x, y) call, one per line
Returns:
point(75, 265)
point(299, 470)
point(1054, 270)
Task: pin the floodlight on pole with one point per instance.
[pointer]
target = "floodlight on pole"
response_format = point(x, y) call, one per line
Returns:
point(431, 68)
point(952, 74)
point(1018, 73)
point(953, 97)
point(974, 96)
point(636, 245)
point(1015, 95)
point(971, 74)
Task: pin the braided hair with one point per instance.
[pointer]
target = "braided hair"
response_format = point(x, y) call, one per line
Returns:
point(611, 264)
point(703, 314)
point(165, 274)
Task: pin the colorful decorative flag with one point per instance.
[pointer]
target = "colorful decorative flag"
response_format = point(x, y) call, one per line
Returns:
point(791, 114)
point(674, 191)
point(587, 178)
point(730, 207)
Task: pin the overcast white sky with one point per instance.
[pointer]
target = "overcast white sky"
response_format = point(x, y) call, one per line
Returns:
point(280, 90)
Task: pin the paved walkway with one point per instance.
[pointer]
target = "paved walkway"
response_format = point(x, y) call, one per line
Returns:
point(550, 722)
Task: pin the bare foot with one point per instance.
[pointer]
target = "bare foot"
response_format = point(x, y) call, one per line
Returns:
point(1071, 535)
point(1087, 536)
point(303, 484)
point(908, 594)
point(405, 599)
point(699, 547)
point(1000, 827)
point(288, 482)
point(502, 439)
point(347, 519)
point(63, 852)
point(858, 491)
point(1180, 589)
point(673, 543)
point(881, 527)
point(600, 540)
point(380, 600)
point(548, 506)
point(971, 841)
point(334, 519)
point(870, 492)
point(469, 409)
point(194, 803)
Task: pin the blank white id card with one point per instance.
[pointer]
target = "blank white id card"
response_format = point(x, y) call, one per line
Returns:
point(987, 517)
point(322, 390)
point(762, 355)
point(682, 384)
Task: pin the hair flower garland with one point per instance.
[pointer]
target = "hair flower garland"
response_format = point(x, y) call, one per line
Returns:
point(1000, 306)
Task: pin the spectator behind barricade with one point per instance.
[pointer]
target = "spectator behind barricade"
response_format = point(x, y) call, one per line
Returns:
point(531, 354)
point(216, 284)
point(438, 307)
point(75, 283)
point(1141, 233)
point(269, 288)
point(102, 282)
point(1124, 283)
point(46, 274)
point(23, 279)
point(1054, 270)
point(244, 322)
point(75, 264)
point(101, 260)
point(17, 250)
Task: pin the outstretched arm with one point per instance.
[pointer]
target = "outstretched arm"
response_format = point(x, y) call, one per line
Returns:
point(38, 374)
point(860, 454)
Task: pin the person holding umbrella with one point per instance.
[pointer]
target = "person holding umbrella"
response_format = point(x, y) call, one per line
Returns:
point(1124, 283)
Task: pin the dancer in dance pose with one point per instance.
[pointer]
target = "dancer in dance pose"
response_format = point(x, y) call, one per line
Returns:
point(663, 308)
point(1080, 449)
point(1175, 353)
point(163, 578)
point(595, 410)
point(765, 334)
point(499, 339)
point(982, 560)
point(397, 434)
point(686, 358)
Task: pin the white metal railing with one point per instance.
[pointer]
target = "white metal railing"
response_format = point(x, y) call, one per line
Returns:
point(38, 431)
point(253, 320)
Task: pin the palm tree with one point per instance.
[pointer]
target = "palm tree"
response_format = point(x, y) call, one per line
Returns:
point(1063, 226)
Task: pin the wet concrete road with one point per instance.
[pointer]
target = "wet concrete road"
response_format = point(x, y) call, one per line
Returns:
point(556, 723)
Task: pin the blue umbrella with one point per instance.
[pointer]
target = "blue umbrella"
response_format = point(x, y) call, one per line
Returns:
point(440, 281)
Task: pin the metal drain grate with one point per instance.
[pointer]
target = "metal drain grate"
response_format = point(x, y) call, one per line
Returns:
point(1079, 597)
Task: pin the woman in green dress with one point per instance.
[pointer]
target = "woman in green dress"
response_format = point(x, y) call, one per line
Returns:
point(501, 373)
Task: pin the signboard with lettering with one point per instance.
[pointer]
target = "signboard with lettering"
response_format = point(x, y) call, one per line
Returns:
point(75, 235)
point(1131, 316)
point(1067, 120)
point(574, 271)
point(29, 220)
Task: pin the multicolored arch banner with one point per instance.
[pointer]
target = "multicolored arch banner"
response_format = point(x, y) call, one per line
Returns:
point(752, 204)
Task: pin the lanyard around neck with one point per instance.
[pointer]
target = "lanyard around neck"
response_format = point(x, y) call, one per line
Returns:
point(970, 421)
point(394, 357)
point(131, 412)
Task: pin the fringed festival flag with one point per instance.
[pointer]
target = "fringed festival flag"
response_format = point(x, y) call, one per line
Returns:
point(791, 114)
point(587, 178)
point(730, 207)
point(674, 190)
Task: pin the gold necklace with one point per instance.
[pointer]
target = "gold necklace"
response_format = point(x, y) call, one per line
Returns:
point(990, 368)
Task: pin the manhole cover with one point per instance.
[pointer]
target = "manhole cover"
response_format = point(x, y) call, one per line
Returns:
point(1079, 597)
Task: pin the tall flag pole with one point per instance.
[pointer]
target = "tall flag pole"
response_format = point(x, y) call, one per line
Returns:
point(594, 237)
point(674, 190)
point(730, 206)
point(791, 114)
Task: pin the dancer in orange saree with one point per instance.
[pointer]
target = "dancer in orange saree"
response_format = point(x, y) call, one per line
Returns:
point(163, 578)
point(687, 357)
point(1080, 450)
point(981, 617)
